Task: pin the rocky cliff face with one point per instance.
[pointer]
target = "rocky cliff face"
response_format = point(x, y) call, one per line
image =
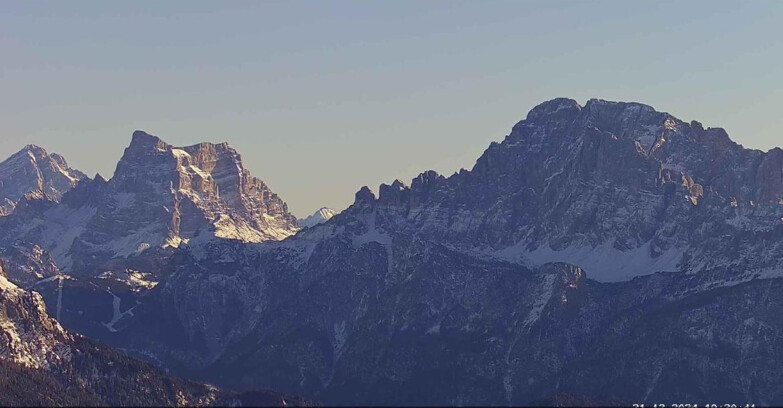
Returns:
point(200, 185)
point(609, 180)
point(159, 197)
point(34, 172)
point(27, 264)
point(30, 337)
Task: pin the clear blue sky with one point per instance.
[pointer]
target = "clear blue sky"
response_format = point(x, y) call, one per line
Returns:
point(323, 97)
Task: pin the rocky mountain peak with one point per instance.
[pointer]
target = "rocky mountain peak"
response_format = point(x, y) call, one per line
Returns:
point(160, 197)
point(717, 137)
point(425, 179)
point(33, 171)
point(608, 180)
point(148, 156)
point(142, 140)
point(202, 184)
point(35, 150)
point(558, 107)
point(392, 194)
point(364, 196)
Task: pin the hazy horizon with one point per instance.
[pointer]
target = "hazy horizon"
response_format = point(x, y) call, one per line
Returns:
point(321, 99)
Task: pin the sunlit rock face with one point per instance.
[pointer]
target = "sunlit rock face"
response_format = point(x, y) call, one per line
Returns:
point(34, 172)
point(200, 185)
point(160, 197)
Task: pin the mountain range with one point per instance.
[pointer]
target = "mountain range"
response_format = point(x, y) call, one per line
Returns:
point(609, 252)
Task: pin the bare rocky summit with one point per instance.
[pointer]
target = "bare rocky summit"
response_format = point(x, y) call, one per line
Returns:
point(200, 185)
point(34, 172)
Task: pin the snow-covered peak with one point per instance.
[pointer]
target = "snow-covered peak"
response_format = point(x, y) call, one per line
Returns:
point(322, 215)
point(33, 170)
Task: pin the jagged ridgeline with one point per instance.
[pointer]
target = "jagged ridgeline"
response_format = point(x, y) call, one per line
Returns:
point(159, 198)
point(607, 253)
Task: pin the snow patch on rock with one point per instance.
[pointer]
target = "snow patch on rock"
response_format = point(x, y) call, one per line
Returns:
point(603, 263)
